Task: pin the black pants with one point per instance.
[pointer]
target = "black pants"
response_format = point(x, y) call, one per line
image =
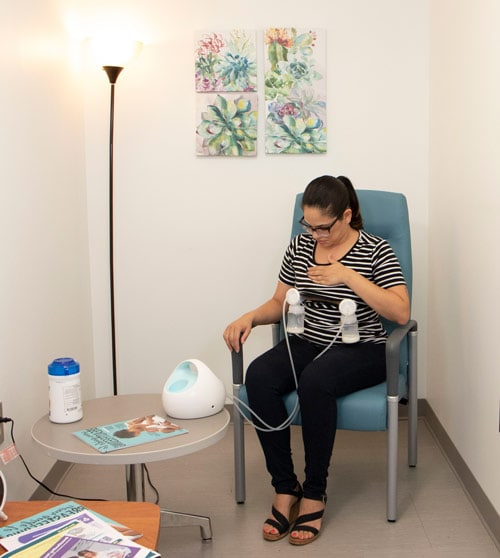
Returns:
point(343, 369)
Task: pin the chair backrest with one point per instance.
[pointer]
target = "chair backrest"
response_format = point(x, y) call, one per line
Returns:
point(385, 214)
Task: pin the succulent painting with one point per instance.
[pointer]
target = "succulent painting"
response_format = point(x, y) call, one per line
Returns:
point(226, 62)
point(228, 127)
point(295, 107)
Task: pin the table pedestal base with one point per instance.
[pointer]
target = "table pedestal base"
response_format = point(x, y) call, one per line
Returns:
point(178, 519)
point(135, 482)
point(136, 492)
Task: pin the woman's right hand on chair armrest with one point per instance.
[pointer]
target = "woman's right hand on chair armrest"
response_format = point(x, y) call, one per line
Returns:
point(237, 332)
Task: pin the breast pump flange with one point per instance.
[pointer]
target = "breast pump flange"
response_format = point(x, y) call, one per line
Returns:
point(348, 321)
point(296, 312)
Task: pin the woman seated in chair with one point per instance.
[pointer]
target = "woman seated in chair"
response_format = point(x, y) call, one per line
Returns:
point(334, 259)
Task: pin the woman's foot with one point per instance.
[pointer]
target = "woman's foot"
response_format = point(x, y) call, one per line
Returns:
point(307, 526)
point(284, 511)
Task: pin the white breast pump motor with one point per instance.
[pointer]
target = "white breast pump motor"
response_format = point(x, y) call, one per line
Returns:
point(296, 311)
point(348, 321)
point(193, 391)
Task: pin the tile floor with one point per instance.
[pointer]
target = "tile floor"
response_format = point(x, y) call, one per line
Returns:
point(436, 518)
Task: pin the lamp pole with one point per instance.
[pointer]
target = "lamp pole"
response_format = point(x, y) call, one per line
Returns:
point(112, 72)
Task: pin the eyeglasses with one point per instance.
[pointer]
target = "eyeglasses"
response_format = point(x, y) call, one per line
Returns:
point(320, 230)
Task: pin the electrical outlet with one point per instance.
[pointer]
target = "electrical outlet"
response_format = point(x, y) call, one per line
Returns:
point(1, 424)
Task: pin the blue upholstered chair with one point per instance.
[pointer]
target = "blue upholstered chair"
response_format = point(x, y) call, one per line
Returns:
point(385, 214)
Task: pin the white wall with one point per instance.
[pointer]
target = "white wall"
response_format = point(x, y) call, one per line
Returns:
point(44, 281)
point(463, 383)
point(199, 240)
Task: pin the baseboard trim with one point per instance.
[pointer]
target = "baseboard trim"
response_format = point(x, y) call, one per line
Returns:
point(479, 499)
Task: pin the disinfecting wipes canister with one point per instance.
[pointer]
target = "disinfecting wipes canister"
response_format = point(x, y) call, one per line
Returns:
point(65, 398)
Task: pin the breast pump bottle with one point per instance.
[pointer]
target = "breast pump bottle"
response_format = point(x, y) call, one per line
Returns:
point(348, 321)
point(296, 311)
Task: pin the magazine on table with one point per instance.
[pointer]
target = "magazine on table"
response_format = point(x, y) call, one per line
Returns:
point(84, 531)
point(50, 546)
point(37, 547)
point(36, 526)
point(55, 513)
point(127, 433)
point(68, 547)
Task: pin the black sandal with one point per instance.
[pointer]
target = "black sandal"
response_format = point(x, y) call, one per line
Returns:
point(298, 525)
point(280, 522)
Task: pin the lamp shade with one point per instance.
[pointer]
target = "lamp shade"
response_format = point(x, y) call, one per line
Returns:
point(193, 391)
point(114, 51)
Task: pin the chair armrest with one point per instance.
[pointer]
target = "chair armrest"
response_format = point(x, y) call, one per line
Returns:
point(276, 333)
point(392, 354)
point(237, 358)
point(237, 366)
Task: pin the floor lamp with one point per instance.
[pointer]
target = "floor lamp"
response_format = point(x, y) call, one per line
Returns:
point(112, 72)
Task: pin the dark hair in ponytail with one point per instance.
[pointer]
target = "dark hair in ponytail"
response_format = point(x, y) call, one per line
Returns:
point(334, 196)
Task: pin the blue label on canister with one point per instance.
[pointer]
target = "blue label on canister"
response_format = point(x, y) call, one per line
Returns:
point(63, 367)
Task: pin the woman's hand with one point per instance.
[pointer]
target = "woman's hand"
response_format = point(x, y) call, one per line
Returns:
point(237, 332)
point(331, 274)
point(392, 303)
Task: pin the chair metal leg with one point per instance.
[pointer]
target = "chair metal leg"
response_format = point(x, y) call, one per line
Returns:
point(412, 399)
point(392, 456)
point(239, 452)
point(178, 519)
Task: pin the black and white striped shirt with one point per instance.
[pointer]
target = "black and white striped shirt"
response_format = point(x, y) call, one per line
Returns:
point(371, 256)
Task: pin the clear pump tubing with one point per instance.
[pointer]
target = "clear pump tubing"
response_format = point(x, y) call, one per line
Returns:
point(288, 421)
point(239, 404)
point(349, 307)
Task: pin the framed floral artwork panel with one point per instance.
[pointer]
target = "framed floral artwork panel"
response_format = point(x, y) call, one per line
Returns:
point(295, 90)
point(225, 61)
point(227, 124)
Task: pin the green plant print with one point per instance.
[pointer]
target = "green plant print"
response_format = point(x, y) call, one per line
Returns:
point(229, 127)
point(295, 109)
